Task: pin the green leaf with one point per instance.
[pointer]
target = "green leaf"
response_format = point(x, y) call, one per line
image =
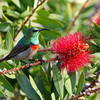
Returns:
point(26, 3)
point(67, 82)
point(51, 23)
point(9, 41)
point(97, 41)
point(73, 78)
point(53, 96)
point(5, 93)
point(35, 3)
point(1, 12)
point(42, 82)
point(26, 86)
point(17, 3)
point(58, 81)
point(43, 13)
point(11, 76)
point(4, 27)
point(1, 94)
point(96, 56)
point(8, 94)
point(95, 97)
point(4, 82)
point(42, 40)
point(6, 65)
point(88, 8)
point(35, 87)
point(97, 29)
point(12, 13)
point(80, 83)
point(50, 35)
point(25, 13)
point(3, 51)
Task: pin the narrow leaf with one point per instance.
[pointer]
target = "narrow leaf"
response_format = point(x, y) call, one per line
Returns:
point(58, 81)
point(80, 83)
point(26, 86)
point(9, 41)
point(5, 83)
point(4, 27)
point(35, 87)
point(73, 78)
point(17, 3)
point(53, 96)
point(67, 80)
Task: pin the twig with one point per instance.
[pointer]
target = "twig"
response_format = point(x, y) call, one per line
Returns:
point(97, 90)
point(27, 19)
point(76, 17)
point(26, 66)
point(89, 89)
point(93, 83)
point(44, 50)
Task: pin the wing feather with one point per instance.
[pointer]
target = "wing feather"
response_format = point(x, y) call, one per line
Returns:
point(16, 50)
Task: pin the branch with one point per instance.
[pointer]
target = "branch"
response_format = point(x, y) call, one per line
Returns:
point(76, 17)
point(27, 19)
point(44, 50)
point(97, 90)
point(89, 89)
point(93, 83)
point(9, 71)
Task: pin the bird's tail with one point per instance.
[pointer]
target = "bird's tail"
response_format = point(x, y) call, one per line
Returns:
point(3, 59)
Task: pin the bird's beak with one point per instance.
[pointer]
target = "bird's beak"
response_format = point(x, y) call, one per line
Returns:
point(40, 30)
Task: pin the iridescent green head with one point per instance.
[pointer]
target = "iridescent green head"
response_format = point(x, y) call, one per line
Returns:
point(31, 36)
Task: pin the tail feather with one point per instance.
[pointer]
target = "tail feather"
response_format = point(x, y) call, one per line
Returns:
point(3, 59)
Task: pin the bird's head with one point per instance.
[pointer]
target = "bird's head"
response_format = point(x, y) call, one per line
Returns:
point(33, 34)
point(32, 30)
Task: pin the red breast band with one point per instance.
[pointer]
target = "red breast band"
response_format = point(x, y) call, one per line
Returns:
point(34, 47)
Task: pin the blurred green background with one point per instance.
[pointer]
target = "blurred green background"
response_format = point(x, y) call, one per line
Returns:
point(46, 82)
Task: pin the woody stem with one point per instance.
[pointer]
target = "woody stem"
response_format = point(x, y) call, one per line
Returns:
point(27, 65)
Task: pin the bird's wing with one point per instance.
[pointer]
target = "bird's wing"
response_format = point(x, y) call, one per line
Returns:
point(16, 50)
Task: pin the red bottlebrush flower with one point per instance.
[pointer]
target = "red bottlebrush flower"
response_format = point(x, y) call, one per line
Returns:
point(73, 51)
point(96, 19)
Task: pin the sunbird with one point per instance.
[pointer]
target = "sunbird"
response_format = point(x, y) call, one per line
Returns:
point(26, 47)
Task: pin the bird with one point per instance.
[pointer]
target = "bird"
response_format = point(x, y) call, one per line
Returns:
point(26, 47)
